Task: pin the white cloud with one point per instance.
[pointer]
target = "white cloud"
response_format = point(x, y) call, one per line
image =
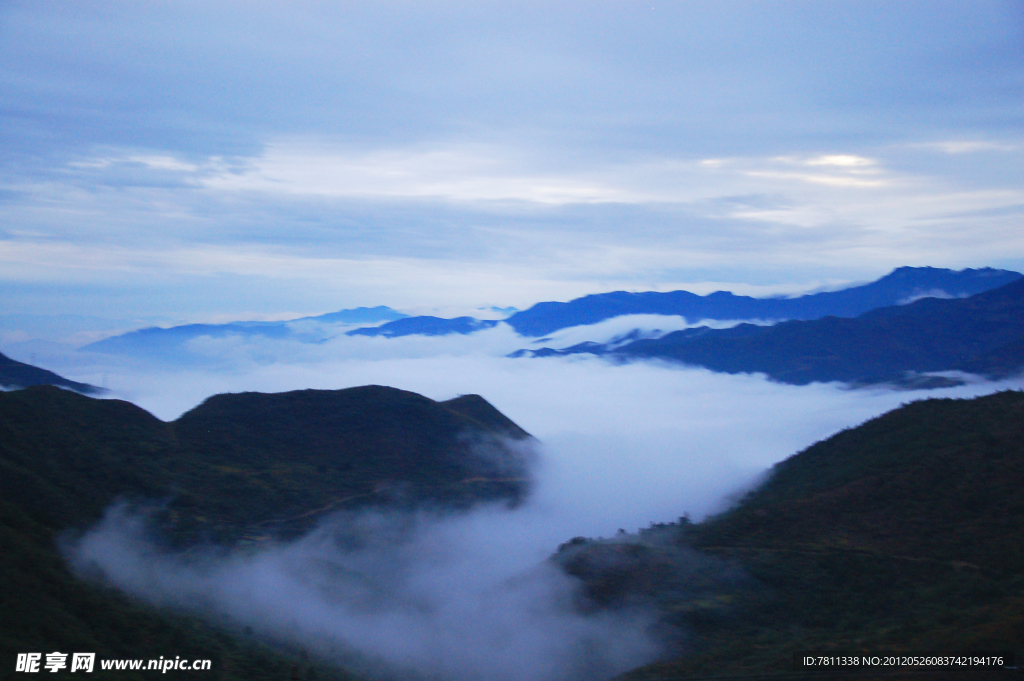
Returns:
point(458, 173)
point(482, 172)
point(622, 327)
point(841, 160)
point(847, 170)
point(827, 180)
point(967, 146)
point(464, 597)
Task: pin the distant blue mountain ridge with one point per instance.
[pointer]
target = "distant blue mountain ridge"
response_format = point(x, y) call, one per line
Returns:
point(160, 341)
point(426, 326)
point(928, 343)
point(899, 287)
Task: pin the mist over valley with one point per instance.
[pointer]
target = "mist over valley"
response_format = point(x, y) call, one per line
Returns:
point(403, 578)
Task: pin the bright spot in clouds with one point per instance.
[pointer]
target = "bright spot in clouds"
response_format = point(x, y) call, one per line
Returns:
point(841, 160)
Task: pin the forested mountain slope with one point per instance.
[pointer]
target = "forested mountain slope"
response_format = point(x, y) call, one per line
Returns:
point(902, 534)
point(238, 469)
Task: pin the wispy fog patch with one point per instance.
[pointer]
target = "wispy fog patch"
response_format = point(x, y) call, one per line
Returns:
point(631, 327)
point(462, 597)
point(328, 342)
point(933, 293)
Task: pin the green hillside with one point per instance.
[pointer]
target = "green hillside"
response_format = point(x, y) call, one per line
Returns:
point(237, 468)
point(902, 534)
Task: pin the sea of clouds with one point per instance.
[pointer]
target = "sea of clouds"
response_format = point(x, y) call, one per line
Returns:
point(472, 596)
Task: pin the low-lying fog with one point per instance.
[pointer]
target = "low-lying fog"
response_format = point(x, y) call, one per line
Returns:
point(470, 597)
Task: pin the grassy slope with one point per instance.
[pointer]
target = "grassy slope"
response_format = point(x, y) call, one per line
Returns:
point(901, 534)
point(236, 468)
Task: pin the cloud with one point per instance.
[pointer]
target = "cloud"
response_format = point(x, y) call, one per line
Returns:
point(406, 220)
point(968, 146)
point(623, 328)
point(431, 596)
point(827, 180)
point(841, 160)
point(932, 293)
point(181, 156)
point(459, 173)
point(406, 71)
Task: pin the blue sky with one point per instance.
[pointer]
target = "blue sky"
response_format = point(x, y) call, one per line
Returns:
point(215, 160)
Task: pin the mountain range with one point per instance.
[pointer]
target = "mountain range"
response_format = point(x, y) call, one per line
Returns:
point(903, 285)
point(982, 334)
point(930, 332)
point(172, 341)
point(900, 286)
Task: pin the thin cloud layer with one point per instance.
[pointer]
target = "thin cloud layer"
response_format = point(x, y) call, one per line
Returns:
point(192, 160)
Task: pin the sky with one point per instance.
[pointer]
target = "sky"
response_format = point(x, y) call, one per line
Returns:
point(167, 162)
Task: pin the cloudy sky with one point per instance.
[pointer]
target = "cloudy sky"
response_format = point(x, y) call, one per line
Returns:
point(222, 159)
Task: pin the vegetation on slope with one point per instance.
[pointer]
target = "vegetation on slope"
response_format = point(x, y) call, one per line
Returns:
point(901, 534)
point(238, 468)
